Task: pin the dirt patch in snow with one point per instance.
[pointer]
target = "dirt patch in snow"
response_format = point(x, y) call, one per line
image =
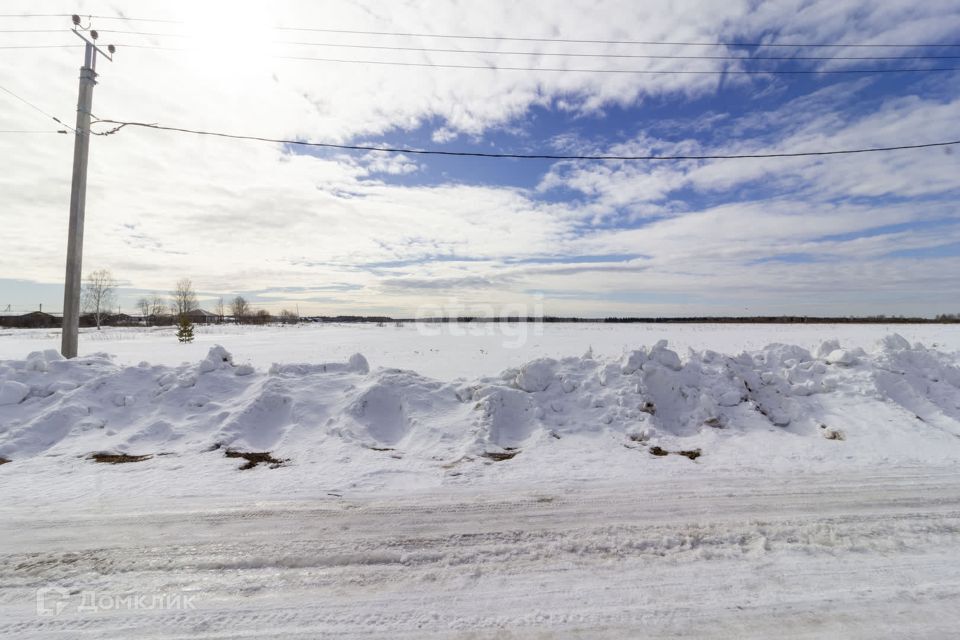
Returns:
point(499, 456)
point(4, 461)
point(692, 454)
point(117, 458)
point(254, 458)
point(832, 434)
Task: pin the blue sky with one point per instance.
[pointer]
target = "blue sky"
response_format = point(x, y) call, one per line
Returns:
point(335, 232)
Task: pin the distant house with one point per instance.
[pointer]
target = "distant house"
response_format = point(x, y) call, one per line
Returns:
point(32, 320)
point(201, 316)
point(158, 319)
point(123, 320)
point(90, 320)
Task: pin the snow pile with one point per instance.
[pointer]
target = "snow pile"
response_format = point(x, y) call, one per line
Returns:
point(217, 358)
point(884, 400)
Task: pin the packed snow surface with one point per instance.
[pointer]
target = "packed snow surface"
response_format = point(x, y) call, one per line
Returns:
point(840, 555)
point(622, 489)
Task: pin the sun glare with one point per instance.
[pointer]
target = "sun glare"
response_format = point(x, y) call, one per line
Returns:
point(229, 35)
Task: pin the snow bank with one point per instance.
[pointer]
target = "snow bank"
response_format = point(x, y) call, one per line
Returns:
point(895, 394)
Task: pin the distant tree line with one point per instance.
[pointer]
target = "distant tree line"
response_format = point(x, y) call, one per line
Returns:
point(183, 303)
point(243, 313)
point(100, 287)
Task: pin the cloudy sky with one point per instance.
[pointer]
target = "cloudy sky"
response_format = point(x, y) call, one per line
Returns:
point(364, 232)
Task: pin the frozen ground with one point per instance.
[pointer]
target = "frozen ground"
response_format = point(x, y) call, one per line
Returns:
point(810, 486)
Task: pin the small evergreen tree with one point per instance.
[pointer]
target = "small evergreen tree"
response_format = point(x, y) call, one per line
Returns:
point(185, 332)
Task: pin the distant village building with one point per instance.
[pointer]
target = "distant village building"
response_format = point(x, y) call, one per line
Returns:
point(42, 320)
point(201, 316)
point(32, 320)
point(123, 320)
point(109, 320)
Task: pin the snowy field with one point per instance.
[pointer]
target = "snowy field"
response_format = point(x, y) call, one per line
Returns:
point(467, 351)
point(583, 481)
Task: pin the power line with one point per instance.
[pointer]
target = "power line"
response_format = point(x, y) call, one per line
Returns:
point(623, 42)
point(36, 108)
point(41, 46)
point(32, 131)
point(408, 34)
point(438, 65)
point(564, 40)
point(148, 33)
point(519, 156)
point(501, 38)
point(32, 30)
point(524, 53)
point(35, 15)
point(579, 55)
point(584, 41)
point(613, 55)
point(396, 63)
point(552, 54)
point(94, 17)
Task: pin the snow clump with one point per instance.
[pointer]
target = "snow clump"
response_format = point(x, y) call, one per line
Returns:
point(536, 375)
point(358, 363)
point(217, 358)
point(13, 392)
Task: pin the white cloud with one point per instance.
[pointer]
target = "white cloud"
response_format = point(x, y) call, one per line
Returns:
point(248, 216)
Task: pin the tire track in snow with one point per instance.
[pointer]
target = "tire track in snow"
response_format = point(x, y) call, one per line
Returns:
point(816, 603)
point(840, 556)
point(681, 543)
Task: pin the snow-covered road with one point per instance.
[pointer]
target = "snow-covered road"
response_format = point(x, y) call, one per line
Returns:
point(851, 556)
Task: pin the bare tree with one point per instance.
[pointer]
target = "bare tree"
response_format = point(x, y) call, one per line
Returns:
point(183, 299)
point(157, 306)
point(289, 317)
point(240, 308)
point(143, 305)
point(98, 294)
point(220, 309)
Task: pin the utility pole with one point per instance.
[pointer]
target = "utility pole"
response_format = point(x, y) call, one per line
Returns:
point(78, 189)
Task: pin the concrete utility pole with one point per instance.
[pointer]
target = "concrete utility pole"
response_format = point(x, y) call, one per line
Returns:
point(78, 191)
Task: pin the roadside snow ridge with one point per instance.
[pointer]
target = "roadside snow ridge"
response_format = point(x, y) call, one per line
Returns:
point(896, 393)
